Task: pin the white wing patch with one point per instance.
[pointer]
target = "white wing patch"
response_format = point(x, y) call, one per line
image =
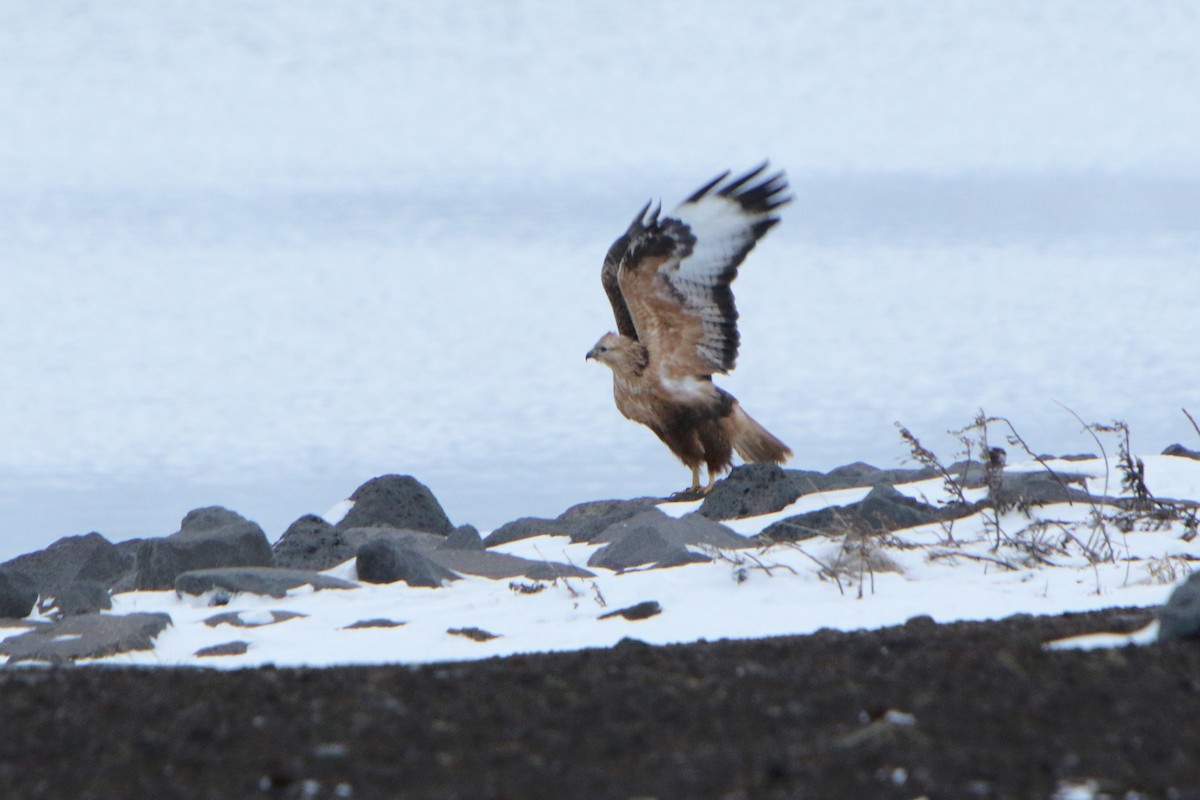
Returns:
point(726, 219)
point(723, 229)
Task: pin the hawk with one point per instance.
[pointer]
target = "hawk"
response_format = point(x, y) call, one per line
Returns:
point(668, 280)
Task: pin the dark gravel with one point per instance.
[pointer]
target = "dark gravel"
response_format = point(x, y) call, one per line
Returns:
point(977, 710)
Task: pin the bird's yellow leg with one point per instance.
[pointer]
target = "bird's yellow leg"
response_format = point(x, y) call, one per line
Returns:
point(696, 478)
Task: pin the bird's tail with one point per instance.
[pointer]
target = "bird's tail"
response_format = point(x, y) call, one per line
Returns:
point(752, 441)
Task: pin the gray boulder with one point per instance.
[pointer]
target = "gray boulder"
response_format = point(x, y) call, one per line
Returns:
point(397, 501)
point(208, 538)
point(83, 597)
point(18, 594)
point(501, 565)
point(236, 648)
point(526, 528)
point(581, 522)
point(883, 509)
point(271, 581)
point(753, 489)
point(85, 636)
point(388, 560)
point(464, 537)
point(1180, 617)
point(1180, 451)
point(312, 543)
point(589, 520)
point(235, 619)
point(643, 546)
point(1040, 488)
point(638, 611)
point(655, 539)
point(89, 557)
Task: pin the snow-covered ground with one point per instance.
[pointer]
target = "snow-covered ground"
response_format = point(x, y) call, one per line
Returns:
point(253, 255)
point(971, 570)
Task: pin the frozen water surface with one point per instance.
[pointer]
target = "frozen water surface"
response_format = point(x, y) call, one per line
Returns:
point(255, 255)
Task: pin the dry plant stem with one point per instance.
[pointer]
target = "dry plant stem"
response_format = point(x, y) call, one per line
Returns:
point(767, 569)
point(1097, 514)
point(926, 457)
point(974, 557)
point(991, 475)
point(1017, 440)
point(1192, 420)
point(825, 568)
point(1091, 432)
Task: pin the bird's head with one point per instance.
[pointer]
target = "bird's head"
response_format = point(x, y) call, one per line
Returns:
point(620, 353)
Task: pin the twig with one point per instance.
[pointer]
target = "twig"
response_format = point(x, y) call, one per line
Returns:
point(1192, 420)
point(974, 557)
point(824, 567)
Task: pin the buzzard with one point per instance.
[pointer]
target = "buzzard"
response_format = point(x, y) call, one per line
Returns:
point(668, 279)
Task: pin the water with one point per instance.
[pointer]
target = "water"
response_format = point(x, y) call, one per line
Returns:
point(257, 257)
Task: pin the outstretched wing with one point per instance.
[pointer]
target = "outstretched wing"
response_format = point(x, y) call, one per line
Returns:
point(669, 278)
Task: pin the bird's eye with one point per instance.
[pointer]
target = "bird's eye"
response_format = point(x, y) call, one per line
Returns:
point(603, 349)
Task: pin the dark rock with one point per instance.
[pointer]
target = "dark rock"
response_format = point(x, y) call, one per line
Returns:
point(526, 528)
point(374, 623)
point(654, 538)
point(227, 649)
point(857, 474)
point(388, 561)
point(553, 570)
point(464, 537)
point(753, 489)
point(234, 618)
point(643, 610)
point(83, 597)
point(460, 552)
point(850, 476)
point(500, 565)
point(920, 623)
point(474, 634)
point(688, 529)
point(18, 594)
point(71, 558)
point(1040, 488)
point(581, 522)
point(590, 519)
point(830, 521)
point(86, 636)
point(1180, 451)
point(883, 509)
point(1180, 617)
point(398, 501)
point(209, 518)
point(209, 538)
point(271, 581)
point(641, 546)
point(312, 543)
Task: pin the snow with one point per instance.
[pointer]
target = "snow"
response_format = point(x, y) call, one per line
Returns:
point(256, 254)
point(948, 573)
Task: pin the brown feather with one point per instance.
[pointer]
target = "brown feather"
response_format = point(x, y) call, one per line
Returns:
point(668, 281)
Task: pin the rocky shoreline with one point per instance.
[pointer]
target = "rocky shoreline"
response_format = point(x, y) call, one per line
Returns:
point(394, 529)
point(970, 709)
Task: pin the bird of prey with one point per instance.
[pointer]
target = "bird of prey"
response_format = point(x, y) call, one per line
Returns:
point(668, 280)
